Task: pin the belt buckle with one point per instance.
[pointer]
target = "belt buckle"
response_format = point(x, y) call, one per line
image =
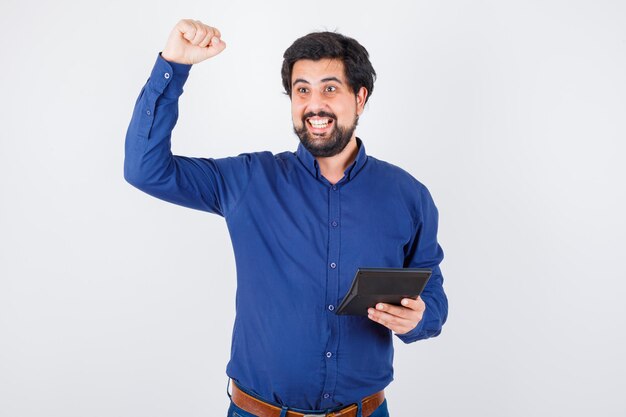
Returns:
point(315, 415)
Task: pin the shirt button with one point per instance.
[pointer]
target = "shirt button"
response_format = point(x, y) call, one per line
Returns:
point(331, 307)
point(334, 188)
point(334, 223)
point(326, 396)
point(148, 112)
point(329, 354)
point(166, 75)
point(333, 265)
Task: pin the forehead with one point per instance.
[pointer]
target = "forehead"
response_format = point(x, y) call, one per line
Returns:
point(315, 71)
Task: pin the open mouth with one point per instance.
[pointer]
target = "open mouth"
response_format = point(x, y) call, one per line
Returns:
point(319, 124)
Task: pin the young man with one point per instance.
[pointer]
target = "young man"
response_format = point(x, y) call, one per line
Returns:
point(301, 223)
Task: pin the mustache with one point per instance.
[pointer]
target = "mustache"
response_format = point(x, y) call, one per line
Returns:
point(319, 114)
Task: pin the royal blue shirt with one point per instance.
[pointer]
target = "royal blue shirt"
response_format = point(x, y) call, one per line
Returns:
point(298, 241)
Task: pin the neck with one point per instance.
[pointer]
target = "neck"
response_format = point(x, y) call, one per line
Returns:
point(333, 167)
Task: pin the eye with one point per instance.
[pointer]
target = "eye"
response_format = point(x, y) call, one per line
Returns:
point(331, 89)
point(303, 90)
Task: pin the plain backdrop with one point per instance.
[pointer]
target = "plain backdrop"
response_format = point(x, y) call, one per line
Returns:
point(113, 303)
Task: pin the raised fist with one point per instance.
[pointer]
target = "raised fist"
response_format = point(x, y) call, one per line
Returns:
point(191, 42)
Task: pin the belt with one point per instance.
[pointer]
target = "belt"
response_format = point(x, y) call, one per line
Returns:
point(262, 409)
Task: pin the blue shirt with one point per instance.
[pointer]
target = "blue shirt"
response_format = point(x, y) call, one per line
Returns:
point(298, 241)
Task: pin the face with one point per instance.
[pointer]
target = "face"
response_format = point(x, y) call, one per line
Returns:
point(324, 108)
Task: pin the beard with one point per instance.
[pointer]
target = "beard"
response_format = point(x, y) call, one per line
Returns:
point(329, 144)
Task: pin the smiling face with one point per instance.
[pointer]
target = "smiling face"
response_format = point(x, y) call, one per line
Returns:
point(324, 108)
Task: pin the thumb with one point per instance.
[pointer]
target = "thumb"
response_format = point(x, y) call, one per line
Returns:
point(200, 53)
point(216, 46)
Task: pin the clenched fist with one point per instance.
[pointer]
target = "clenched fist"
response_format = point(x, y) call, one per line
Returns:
point(191, 42)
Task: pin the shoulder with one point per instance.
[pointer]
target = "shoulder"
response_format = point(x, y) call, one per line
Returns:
point(260, 157)
point(395, 175)
point(261, 161)
point(407, 189)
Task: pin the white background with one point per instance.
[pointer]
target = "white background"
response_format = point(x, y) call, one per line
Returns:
point(113, 303)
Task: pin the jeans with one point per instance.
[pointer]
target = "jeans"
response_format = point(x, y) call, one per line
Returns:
point(235, 411)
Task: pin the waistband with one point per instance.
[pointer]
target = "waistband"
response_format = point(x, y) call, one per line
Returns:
point(261, 408)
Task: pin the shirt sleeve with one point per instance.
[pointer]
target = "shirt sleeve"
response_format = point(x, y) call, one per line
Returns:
point(213, 185)
point(424, 252)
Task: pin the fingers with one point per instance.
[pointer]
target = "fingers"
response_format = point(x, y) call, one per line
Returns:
point(191, 42)
point(396, 324)
point(399, 319)
point(196, 32)
point(187, 28)
point(414, 304)
point(217, 45)
point(407, 310)
point(206, 40)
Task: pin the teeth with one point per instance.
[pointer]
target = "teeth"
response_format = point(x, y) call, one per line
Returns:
point(320, 124)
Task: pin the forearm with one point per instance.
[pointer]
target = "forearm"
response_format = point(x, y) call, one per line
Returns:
point(425, 252)
point(148, 158)
point(435, 314)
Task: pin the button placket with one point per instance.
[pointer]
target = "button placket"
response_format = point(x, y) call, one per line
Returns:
point(332, 290)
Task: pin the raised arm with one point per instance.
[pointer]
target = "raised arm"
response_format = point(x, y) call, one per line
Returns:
point(200, 183)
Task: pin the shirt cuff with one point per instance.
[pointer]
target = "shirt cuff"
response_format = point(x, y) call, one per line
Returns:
point(168, 78)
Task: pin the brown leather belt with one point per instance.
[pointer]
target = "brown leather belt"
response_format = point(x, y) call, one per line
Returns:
point(262, 409)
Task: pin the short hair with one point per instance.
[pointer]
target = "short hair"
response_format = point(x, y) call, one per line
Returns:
point(319, 45)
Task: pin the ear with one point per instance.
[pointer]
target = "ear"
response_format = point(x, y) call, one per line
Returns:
point(361, 96)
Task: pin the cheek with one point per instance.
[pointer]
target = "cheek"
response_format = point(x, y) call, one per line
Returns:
point(346, 114)
point(296, 113)
point(347, 106)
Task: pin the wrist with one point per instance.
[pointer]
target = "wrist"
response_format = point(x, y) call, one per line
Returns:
point(169, 57)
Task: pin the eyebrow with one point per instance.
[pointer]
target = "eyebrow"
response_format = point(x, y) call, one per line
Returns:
point(332, 79)
point(324, 80)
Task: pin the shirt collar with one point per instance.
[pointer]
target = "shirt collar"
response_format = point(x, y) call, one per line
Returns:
point(310, 163)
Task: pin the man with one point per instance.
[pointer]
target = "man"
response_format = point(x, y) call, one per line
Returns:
point(301, 223)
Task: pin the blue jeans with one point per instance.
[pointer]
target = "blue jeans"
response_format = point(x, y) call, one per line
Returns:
point(235, 411)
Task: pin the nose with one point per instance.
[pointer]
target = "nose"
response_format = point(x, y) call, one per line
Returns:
point(317, 102)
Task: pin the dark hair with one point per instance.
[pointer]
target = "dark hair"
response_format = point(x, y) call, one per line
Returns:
point(320, 45)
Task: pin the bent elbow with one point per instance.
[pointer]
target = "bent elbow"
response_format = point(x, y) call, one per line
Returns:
point(134, 176)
